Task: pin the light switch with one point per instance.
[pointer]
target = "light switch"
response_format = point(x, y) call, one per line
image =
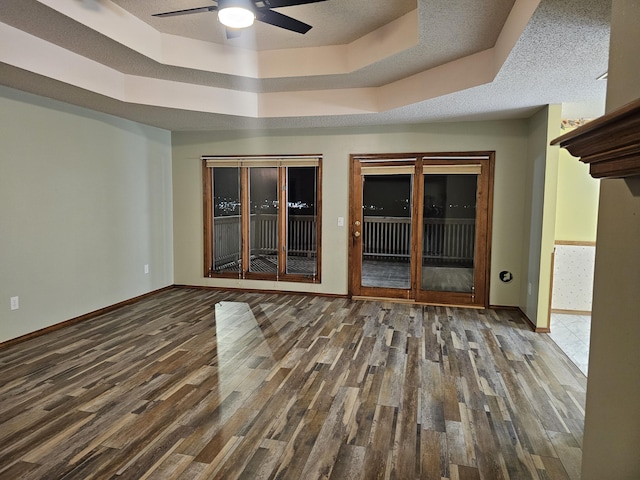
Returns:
point(341, 221)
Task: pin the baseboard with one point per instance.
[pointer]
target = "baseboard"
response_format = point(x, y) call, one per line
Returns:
point(504, 307)
point(533, 326)
point(571, 312)
point(383, 299)
point(574, 243)
point(260, 290)
point(81, 318)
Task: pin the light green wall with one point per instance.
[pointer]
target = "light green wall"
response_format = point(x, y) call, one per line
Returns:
point(85, 203)
point(554, 117)
point(577, 203)
point(103, 200)
point(612, 420)
point(508, 139)
point(540, 212)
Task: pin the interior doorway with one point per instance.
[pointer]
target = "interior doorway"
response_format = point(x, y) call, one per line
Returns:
point(420, 227)
point(572, 274)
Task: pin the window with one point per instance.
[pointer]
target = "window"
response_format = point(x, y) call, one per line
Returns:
point(261, 217)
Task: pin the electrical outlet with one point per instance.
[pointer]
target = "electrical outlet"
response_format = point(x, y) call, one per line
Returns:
point(529, 288)
point(146, 268)
point(15, 303)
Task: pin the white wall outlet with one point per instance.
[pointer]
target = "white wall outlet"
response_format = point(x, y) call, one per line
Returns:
point(341, 221)
point(15, 303)
point(146, 268)
point(530, 288)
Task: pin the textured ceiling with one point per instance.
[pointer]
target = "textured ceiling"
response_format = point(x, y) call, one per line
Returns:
point(555, 58)
point(331, 26)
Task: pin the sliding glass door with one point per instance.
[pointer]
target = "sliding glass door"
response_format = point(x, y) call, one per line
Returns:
point(419, 228)
point(454, 222)
point(383, 229)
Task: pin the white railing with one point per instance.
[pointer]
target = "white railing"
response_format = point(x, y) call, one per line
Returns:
point(450, 239)
point(227, 240)
point(301, 232)
point(263, 228)
point(386, 237)
point(443, 239)
point(302, 235)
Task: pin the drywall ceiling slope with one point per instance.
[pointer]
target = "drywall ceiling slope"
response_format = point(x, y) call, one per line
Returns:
point(400, 62)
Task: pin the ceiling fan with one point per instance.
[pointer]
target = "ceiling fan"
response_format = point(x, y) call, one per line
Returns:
point(238, 14)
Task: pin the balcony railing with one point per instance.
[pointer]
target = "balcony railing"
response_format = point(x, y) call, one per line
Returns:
point(263, 231)
point(449, 240)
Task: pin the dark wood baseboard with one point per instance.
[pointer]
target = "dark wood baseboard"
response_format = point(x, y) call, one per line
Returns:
point(504, 307)
point(533, 326)
point(259, 290)
point(79, 319)
point(542, 330)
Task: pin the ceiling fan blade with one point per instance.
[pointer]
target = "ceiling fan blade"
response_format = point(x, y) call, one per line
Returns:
point(188, 11)
point(288, 3)
point(282, 21)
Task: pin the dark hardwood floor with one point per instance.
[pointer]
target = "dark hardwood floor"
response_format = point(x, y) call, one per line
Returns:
point(191, 384)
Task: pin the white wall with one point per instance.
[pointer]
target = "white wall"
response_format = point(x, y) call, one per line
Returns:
point(508, 139)
point(612, 420)
point(573, 278)
point(85, 203)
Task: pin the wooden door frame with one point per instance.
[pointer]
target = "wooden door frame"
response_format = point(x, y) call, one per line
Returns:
point(355, 214)
point(484, 194)
point(482, 270)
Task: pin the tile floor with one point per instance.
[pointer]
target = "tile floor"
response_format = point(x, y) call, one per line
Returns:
point(571, 333)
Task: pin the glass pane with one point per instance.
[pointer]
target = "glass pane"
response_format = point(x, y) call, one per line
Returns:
point(227, 229)
point(263, 225)
point(386, 231)
point(302, 221)
point(449, 232)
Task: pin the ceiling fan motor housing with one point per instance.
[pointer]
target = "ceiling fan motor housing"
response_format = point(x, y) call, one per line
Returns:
point(236, 13)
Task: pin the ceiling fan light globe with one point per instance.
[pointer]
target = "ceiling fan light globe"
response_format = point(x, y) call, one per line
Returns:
point(236, 17)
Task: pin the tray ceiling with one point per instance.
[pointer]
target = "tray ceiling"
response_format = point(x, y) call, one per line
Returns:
point(364, 62)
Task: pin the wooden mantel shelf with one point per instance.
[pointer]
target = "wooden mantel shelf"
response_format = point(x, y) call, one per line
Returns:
point(610, 144)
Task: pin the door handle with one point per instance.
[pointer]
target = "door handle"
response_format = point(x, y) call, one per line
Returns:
point(356, 234)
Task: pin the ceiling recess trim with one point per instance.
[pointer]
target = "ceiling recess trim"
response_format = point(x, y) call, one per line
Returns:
point(33, 54)
point(119, 25)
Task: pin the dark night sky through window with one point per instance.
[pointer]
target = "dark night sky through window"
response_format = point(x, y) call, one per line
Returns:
point(452, 196)
point(263, 190)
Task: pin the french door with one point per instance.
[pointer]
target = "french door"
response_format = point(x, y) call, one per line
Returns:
point(420, 227)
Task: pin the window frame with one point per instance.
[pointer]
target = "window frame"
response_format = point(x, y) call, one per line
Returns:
point(244, 163)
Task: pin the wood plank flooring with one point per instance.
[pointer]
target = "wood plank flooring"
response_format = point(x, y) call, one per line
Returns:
point(189, 384)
